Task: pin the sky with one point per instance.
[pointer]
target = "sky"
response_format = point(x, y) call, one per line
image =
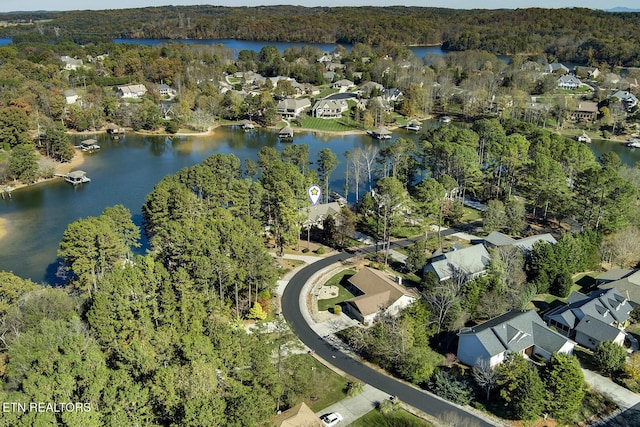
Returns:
point(30, 5)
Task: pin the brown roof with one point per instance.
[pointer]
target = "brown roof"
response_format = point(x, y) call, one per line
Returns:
point(298, 416)
point(379, 291)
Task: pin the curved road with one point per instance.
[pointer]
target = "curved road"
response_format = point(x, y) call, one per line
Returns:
point(291, 300)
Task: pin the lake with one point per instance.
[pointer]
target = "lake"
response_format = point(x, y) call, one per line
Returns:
point(125, 171)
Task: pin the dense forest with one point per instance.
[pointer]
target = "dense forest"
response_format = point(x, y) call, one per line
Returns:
point(574, 35)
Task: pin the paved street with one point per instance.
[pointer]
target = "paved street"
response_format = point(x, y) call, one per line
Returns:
point(294, 298)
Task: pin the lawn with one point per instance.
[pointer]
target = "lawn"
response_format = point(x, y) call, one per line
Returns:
point(343, 294)
point(470, 215)
point(397, 418)
point(326, 387)
point(326, 125)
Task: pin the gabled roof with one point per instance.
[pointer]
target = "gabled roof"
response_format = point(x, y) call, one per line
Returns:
point(616, 274)
point(298, 416)
point(515, 331)
point(526, 243)
point(628, 286)
point(320, 212)
point(497, 238)
point(567, 78)
point(469, 261)
point(598, 330)
point(293, 103)
point(379, 291)
point(606, 306)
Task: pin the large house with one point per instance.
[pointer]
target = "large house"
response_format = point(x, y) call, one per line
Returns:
point(291, 108)
point(71, 63)
point(376, 293)
point(329, 108)
point(525, 244)
point(590, 319)
point(343, 84)
point(132, 91)
point(517, 331)
point(466, 264)
point(626, 281)
point(556, 67)
point(627, 99)
point(586, 110)
point(314, 216)
point(569, 82)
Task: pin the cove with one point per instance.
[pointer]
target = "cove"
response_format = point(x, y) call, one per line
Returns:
point(125, 171)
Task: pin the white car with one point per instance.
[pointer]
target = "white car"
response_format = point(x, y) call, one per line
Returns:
point(332, 419)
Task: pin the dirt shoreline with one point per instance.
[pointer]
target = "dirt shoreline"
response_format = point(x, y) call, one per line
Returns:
point(61, 168)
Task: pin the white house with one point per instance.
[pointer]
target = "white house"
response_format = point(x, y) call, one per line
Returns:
point(71, 63)
point(517, 331)
point(132, 91)
point(569, 82)
point(329, 108)
point(592, 318)
point(70, 96)
point(291, 108)
point(628, 99)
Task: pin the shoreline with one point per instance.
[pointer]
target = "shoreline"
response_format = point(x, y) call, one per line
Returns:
point(61, 168)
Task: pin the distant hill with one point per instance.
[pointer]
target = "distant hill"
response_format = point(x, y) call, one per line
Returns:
point(622, 9)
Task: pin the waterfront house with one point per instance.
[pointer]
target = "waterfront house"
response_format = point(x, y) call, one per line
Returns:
point(517, 331)
point(376, 292)
point(329, 108)
point(291, 108)
point(587, 111)
point(315, 215)
point(556, 68)
point(627, 99)
point(593, 318)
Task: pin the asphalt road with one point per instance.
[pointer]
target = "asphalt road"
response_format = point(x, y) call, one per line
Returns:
point(410, 395)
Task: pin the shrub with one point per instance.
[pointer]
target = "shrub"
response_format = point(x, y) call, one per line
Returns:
point(337, 309)
point(305, 250)
point(451, 388)
point(353, 388)
point(609, 357)
point(320, 251)
point(172, 127)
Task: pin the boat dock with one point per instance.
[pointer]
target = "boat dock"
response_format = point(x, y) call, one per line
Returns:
point(75, 177)
point(89, 145)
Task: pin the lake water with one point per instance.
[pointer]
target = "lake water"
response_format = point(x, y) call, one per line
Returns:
point(125, 171)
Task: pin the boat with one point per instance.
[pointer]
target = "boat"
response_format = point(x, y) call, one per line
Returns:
point(633, 143)
point(88, 145)
point(75, 177)
point(445, 120)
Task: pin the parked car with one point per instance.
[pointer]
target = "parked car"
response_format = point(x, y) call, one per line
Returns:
point(332, 419)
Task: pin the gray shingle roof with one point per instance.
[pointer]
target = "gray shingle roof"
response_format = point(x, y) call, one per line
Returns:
point(515, 331)
point(469, 261)
point(607, 306)
point(497, 238)
point(596, 329)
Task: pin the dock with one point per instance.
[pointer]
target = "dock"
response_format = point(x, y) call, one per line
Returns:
point(5, 191)
point(89, 145)
point(380, 133)
point(414, 125)
point(75, 177)
point(286, 133)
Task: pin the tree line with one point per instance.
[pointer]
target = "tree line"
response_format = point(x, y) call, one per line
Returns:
point(573, 35)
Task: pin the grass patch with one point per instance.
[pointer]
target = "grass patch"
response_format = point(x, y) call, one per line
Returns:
point(286, 265)
point(397, 418)
point(326, 125)
point(326, 92)
point(338, 280)
point(406, 231)
point(594, 404)
point(470, 215)
point(585, 356)
point(326, 387)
